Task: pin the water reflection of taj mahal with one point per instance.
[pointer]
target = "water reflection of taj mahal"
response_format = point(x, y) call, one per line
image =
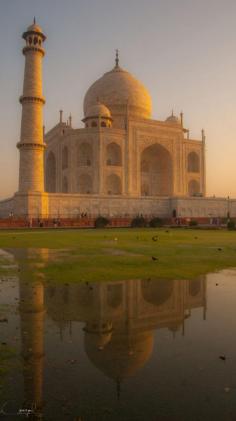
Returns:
point(120, 319)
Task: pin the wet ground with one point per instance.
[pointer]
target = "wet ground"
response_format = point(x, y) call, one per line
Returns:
point(148, 349)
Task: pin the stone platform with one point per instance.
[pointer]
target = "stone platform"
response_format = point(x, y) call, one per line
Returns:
point(58, 205)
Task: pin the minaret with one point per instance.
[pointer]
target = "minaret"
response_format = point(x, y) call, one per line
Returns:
point(31, 145)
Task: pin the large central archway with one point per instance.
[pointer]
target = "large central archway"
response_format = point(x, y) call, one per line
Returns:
point(156, 171)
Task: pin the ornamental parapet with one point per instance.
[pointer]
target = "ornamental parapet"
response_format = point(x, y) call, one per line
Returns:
point(31, 145)
point(24, 98)
point(28, 48)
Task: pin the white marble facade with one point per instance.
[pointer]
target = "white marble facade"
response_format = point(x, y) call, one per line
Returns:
point(121, 163)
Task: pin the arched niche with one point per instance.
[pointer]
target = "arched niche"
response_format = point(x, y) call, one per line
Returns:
point(65, 158)
point(85, 155)
point(194, 287)
point(114, 184)
point(193, 188)
point(84, 296)
point(51, 173)
point(156, 171)
point(85, 184)
point(193, 162)
point(145, 189)
point(64, 185)
point(114, 295)
point(113, 154)
point(157, 292)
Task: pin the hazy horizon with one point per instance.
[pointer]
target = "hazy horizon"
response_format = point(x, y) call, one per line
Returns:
point(183, 53)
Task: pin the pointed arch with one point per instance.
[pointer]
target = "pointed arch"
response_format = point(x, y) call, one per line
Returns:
point(157, 292)
point(113, 154)
point(114, 184)
point(194, 287)
point(114, 295)
point(85, 184)
point(65, 187)
point(85, 155)
point(193, 187)
point(51, 173)
point(156, 171)
point(65, 158)
point(193, 162)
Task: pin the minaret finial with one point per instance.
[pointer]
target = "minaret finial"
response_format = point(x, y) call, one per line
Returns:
point(203, 135)
point(34, 20)
point(117, 58)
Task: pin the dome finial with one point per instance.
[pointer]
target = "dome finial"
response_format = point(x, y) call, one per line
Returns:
point(117, 58)
point(34, 20)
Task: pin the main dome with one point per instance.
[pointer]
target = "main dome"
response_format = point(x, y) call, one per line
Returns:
point(118, 89)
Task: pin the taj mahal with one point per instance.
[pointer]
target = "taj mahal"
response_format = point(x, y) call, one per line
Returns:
point(120, 163)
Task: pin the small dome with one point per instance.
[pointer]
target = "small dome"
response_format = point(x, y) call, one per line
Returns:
point(34, 28)
point(173, 119)
point(98, 110)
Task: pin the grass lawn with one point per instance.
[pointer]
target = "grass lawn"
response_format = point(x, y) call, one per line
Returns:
point(118, 254)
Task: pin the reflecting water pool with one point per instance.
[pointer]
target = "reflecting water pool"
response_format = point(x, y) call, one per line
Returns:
point(148, 349)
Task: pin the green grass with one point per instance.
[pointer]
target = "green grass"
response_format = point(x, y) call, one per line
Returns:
point(115, 254)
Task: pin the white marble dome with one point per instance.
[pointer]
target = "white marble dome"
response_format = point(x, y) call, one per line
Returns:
point(118, 89)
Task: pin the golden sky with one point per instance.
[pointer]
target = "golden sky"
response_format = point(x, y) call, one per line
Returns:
point(182, 51)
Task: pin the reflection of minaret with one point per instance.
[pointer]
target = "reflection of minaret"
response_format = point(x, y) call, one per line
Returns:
point(32, 324)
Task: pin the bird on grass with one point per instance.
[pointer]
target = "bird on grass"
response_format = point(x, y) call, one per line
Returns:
point(219, 249)
point(154, 258)
point(154, 238)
